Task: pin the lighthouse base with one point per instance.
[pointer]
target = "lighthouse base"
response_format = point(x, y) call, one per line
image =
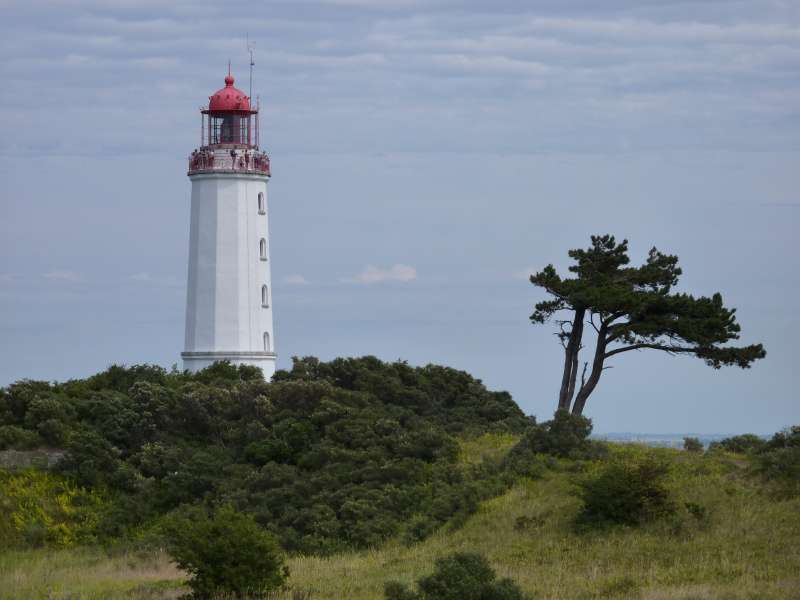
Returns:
point(195, 361)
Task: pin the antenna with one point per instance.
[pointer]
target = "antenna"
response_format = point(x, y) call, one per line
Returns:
point(251, 46)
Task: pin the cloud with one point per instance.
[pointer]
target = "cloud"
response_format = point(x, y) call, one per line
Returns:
point(295, 280)
point(372, 274)
point(6, 278)
point(140, 277)
point(63, 276)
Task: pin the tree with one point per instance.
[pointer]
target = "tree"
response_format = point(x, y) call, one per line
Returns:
point(631, 308)
point(225, 552)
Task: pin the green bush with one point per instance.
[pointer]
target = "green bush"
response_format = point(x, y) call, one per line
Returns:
point(565, 436)
point(459, 576)
point(626, 492)
point(225, 552)
point(779, 462)
point(18, 438)
point(746, 443)
point(692, 444)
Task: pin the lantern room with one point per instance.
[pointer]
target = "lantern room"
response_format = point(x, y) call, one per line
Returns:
point(229, 119)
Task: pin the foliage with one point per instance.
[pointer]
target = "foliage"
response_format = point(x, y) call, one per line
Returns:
point(565, 436)
point(626, 491)
point(779, 462)
point(631, 308)
point(747, 549)
point(459, 576)
point(225, 552)
point(739, 444)
point(328, 456)
point(692, 444)
point(38, 508)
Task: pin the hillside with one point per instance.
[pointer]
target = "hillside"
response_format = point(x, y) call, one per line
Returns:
point(747, 547)
point(328, 456)
point(369, 472)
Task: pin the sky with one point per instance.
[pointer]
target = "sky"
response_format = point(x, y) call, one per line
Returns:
point(427, 157)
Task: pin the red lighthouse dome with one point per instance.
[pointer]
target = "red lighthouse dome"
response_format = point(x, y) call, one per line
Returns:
point(228, 98)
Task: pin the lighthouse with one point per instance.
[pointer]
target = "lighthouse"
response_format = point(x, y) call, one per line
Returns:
point(229, 291)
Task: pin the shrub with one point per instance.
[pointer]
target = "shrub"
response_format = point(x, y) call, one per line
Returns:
point(565, 436)
point(626, 492)
point(692, 444)
point(39, 508)
point(779, 462)
point(225, 552)
point(17, 438)
point(740, 444)
point(459, 576)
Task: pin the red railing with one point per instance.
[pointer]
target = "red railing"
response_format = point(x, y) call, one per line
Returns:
point(245, 161)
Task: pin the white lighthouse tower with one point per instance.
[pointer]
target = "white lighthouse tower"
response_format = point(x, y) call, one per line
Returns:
point(228, 300)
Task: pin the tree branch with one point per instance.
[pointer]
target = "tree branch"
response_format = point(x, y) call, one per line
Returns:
point(653, 347)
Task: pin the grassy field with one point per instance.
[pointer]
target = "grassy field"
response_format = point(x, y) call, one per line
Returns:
point(745, 546)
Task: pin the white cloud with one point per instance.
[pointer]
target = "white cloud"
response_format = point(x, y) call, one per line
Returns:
point(6, 278)
point(140, 277)
point(373, 274)
point(295, 280)
point(63, 276)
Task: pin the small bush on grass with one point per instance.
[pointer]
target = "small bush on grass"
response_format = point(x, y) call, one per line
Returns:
point(459, 576)
point(225, 552)
point(692, 444)
point(626, 492)
point(565, 436)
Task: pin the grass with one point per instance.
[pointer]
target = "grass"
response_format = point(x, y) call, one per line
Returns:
point(744, 546)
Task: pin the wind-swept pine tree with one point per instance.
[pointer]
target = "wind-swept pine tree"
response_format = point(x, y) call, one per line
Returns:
point(631, 308)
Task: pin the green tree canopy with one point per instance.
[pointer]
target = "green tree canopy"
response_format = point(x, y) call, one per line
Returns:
point(631, 308)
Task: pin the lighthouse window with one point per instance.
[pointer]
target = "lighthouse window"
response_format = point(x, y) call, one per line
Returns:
point(262, 249)
point(266, 342)
point(264, 296)
point(262, 210)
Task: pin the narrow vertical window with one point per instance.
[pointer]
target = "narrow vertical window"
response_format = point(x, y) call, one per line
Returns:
point(262, 249)
point(266, 342)
point(262, 209)
point(264, 295)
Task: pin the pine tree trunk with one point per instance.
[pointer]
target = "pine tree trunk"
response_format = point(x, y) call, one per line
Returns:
point(571, 361)
point(597, 369)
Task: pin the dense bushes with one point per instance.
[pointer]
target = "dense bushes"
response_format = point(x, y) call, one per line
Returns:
point(626, 491)
point(739, 444)
point(565, 436)
point(225, 552)
point(459, 576)
point(329, 455)
point(779, 461)
point(38, 508)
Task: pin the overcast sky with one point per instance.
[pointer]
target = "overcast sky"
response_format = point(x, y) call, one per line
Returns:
point(427, 157)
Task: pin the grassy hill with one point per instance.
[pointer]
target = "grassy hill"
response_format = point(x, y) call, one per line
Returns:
point(746, 545)
point(368, 472)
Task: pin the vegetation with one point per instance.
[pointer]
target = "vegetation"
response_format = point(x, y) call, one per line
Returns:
point(459, 576)
point(632, 308)
point(225, 552)
point(747, 547)
point(329, 456)
point(692, 444)
point(627, 491)
point(357, 472)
